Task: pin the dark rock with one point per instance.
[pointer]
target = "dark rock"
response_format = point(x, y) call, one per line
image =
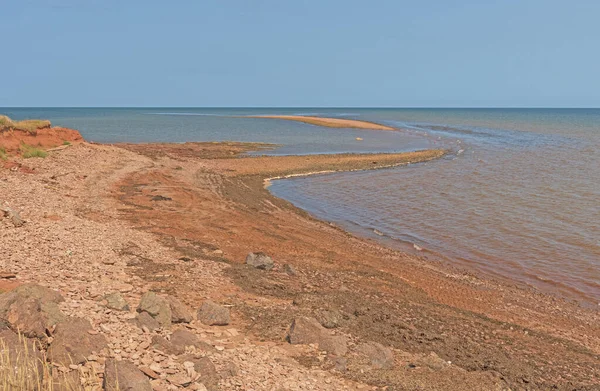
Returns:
point(161, 198)
point(183, 338)
point(380, 356)
point(259, 261)
point(180, 313)
point(156, 306)
point(73, 343)
point(124, 376)
point(145, 320)
point(304, 330)
point(213, 314)
point(208, 373)
point(115, 301)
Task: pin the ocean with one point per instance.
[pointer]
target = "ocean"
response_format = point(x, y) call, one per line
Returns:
point(517, 197)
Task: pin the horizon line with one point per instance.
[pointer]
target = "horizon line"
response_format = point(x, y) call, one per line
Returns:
point(297, 107)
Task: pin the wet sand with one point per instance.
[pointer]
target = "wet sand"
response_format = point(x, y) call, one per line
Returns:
point(329, 122)
point(495, 335)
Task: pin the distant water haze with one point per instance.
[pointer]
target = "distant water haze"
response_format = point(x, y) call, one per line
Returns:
point(518, 197)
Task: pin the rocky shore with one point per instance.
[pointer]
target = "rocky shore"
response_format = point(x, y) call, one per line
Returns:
point(171, 267)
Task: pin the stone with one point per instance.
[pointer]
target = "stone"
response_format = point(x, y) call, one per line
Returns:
point(213, 314)
point(208, 373)
point(124, 376)
point(144, 320)
point(115, 301)
point(156, 306)
point(183, 338)
point(289, 269)
point(260, 261)
point(380, 356)
point(20, 352)
point(330, 319)
point(179, 379)
point(72, 343)
point(180, 313)
point(32, 309)
point(149, 372)
point(305, 330)
point(160, 343)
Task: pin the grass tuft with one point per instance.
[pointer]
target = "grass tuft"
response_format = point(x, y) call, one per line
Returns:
point(30, 151)
point(29, 125)
point(66, 142)
point(3, 155)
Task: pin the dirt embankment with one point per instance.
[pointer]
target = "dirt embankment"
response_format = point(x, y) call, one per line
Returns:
point(17, 137)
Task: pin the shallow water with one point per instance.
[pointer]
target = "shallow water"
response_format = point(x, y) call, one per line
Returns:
point(518, 197)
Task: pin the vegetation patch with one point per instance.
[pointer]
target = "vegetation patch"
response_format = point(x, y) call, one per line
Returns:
point(29, 125)
point(3, 153)
point(30, 151)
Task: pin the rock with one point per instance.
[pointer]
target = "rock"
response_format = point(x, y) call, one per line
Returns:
point(180, 313)
point(20, 352)
point(330, 319)
point(31, 309)
point(13, 215)
point(73, 343)
point(380, 356)
point(124, 376)
point(157, 307)
point(145, 320)
point(115, 301)
point(289, 269)
point(259, 261)
point(180, 339)
point(149, 372)
point(334, 344)
point(208, 373)
point(160, 343)
point(179, 379)
point(213, 314)
point(229, 370)
point(304, 330)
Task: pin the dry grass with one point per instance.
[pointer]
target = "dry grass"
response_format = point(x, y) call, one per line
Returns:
point(26, 369)
point(29, 125)
point(29, 151)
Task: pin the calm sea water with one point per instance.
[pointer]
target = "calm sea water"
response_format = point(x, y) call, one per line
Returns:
point(518, 197)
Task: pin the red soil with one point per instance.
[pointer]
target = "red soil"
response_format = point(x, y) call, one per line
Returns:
point(45, 138)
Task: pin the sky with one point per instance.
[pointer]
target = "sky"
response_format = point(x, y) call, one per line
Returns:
point(280, 53)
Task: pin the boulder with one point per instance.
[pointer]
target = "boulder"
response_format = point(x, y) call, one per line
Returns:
point(208, 373)
point(160, 343)
point(180, 313)
point(32, 309)
point(259, 261)
point(380, 356)
point(73, 342)
point(115, 301)
point(145, 320)
point(156, 306)
point(305, 330)
point(124, 376)
point(213, 314)
point(183, 338)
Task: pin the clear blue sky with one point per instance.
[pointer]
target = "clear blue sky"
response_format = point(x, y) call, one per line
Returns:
point(517, 53)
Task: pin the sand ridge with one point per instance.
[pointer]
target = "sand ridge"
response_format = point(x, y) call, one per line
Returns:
point(329, 122)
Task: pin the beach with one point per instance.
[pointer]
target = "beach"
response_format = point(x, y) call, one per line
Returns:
point(180, 220)
point(329, 122)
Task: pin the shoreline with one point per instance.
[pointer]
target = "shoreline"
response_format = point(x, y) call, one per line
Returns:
point(180, 219)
